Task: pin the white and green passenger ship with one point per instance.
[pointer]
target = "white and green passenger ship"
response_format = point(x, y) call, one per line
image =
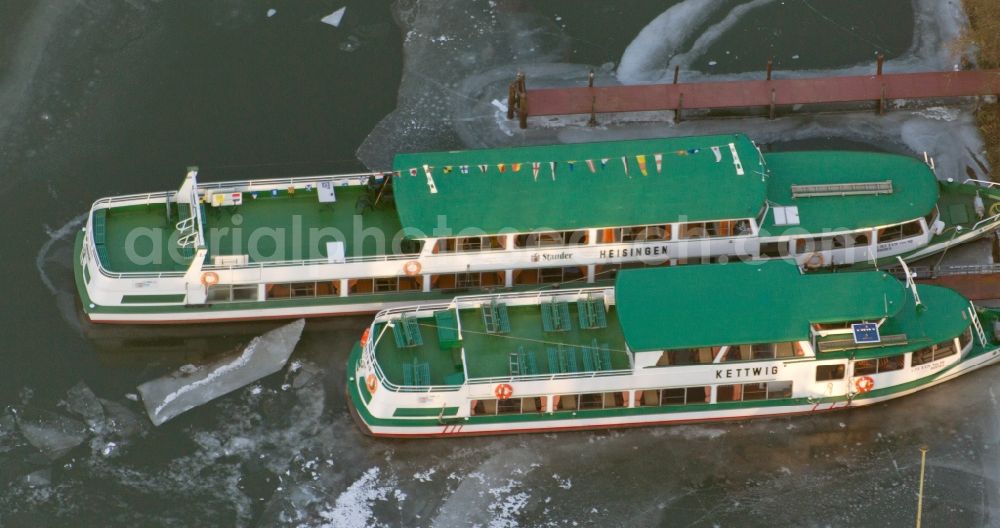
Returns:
point(665, 345)
point(448, 223)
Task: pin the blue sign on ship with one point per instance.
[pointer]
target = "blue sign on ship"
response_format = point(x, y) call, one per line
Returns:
point(865, 333)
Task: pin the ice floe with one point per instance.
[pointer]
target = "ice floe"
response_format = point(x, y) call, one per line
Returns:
point(52, 434)
point(169, 396)
point(334, 18)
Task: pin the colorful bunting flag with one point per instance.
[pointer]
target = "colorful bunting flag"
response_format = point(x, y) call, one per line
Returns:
point(413, 171)
point(641, 159)
point(430, 178)
point(516, 167)
point(625, 164)
point(604, 163)
point(659, 163)
point(681, 153)
point(590, 165)
point(396, 173)
point(718, 154)
point(571, 163)
point(447, 169)
point(502, 166)
point(552, 167)
point(464, 169)
point(534, 169)
point(694, 150)
point(483, 168)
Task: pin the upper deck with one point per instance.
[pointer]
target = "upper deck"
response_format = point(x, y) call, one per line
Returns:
point(600, 331)
point(914, 190)
point(583, 185)
point(488, 354)
point(267, 227)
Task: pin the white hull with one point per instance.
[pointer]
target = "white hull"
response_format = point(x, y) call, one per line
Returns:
point(458, 428)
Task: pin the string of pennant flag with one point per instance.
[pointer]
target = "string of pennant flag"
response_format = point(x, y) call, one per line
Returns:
point(641, 160)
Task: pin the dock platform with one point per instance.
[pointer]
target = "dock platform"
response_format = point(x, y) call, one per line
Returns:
point(768, 93)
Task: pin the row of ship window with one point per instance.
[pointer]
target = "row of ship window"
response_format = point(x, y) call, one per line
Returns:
point(439, 282)
point(685, 231)
point(771, 390)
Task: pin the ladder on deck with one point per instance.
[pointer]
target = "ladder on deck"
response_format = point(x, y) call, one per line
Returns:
point(977, 325)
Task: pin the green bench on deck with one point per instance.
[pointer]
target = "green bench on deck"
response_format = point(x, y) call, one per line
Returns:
point(596, 357)
point(406, 332)
point(100, 226)
point(495, 318)
point(562, 359)
point(447, 329)
point(523, 362)
point(417, 374)
point(555, 317)
point(102, 254)
point(592, 313)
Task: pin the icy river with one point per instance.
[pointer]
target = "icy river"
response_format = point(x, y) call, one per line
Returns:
point(101, 98)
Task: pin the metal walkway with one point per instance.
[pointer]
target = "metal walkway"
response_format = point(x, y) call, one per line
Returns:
point(742, 94)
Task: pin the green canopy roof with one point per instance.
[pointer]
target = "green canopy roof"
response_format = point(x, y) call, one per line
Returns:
point(691, 185)
point(745, 303)
point(914, 190)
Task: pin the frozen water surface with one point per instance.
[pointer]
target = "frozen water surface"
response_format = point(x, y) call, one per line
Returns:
point(283, 451)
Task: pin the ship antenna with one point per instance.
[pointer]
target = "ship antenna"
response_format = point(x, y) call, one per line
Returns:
point(911, 283)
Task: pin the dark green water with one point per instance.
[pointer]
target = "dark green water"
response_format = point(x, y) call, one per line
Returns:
point(100, 98)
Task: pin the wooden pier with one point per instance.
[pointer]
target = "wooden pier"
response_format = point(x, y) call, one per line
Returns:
point(767, 93)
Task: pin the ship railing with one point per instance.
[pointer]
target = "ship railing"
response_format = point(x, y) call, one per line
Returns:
point(985, 183)
point(280, 183)
point(313, 262)
point(550, 377)
point(369, 360)
point(136, 199)
point(930, 272)
point(987, 220)
point(276, 183)
point(470, 301)
point(88, 246)
point(256, 265)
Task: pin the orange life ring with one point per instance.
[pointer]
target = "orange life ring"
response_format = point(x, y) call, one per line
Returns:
point(864, 383)
point(372, 383)
point(814, 261)
point(503, 391)
point(209, 278)
point(364, 336)
point(411, 268)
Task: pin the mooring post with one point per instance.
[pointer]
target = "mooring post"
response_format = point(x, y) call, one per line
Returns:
point(590, 79)
point(680, 106)
point(593, 112)
point(511, 100)
point(770, 65)
point(522, 101)
point(770, 114)
point(677, 73)
point(879, 60)
point(881, 101)
point(920, 492)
